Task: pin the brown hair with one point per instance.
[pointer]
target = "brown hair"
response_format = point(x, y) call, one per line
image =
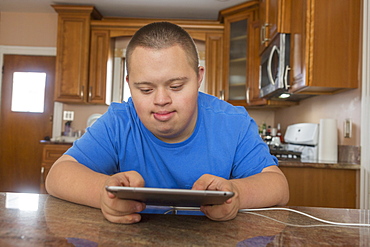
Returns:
point(159, 35)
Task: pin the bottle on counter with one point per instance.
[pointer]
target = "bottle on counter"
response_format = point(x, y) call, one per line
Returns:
point(263, 129)
point(268, 136)
point(278, 133)
point(68, 128)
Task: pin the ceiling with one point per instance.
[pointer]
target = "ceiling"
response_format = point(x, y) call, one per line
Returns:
point(173, 9)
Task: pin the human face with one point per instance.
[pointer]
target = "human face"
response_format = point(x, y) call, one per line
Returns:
point(164, 89)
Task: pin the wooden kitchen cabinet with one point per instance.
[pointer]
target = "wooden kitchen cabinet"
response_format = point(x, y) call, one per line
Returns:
point(101, 67)
point(325, 43)
point(73, 50)
point(322, 187)
point(242, 57)
point(274, 18)
point(240, 63)
point(50, 153)
point(86, 44)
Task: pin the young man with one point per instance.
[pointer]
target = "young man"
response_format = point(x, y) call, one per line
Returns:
point(168, 135)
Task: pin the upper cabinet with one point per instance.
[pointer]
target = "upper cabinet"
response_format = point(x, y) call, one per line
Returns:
point(274, 18)
point(72, 81)
point(242, 57)
point(85, 52)
point(325, 43)
point(239, 62)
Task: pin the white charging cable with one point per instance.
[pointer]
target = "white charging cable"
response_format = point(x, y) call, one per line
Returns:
point(299, 212)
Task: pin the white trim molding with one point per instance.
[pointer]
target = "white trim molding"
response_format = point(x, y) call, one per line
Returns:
point(365, 111)
point(24, 50)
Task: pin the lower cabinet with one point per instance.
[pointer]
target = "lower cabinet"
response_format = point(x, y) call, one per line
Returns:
point(50, 153)
point(322, 187)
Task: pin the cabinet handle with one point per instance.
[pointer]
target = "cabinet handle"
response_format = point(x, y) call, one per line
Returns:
point(222, 95)
point(247, 99)
point(263, 34)
point(82, 92)
point(90, 93)
point(42, 175)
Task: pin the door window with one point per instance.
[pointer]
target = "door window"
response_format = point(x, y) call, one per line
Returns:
point(28, 92)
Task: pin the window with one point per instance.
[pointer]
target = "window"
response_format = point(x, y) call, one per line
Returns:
point(28, 92)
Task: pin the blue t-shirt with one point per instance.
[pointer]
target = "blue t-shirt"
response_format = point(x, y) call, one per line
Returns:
point(225, 143)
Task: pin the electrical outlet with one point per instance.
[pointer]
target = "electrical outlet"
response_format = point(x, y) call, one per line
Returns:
point(68, 115)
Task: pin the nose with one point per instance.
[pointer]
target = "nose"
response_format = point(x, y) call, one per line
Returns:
point(162, 97)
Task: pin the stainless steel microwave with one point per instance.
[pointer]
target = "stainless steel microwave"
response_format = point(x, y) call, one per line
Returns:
point(274, 67)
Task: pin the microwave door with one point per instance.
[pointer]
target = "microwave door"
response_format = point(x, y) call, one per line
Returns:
point(270, 65)
point(270, 71)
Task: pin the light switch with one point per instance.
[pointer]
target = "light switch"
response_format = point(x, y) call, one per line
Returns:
point(68, 115)
point(347, 128)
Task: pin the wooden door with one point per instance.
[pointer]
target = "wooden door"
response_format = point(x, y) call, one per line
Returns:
point(21, 131)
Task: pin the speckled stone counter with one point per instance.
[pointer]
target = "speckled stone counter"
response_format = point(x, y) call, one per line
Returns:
point(41, 220)
point(284, 163)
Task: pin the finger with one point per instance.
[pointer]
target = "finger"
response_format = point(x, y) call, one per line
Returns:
point(130, 178)
point(135, 179)
point(116, 210)
point(203, 182)
point(220, 212)
point(121, 207)
point(123, 219)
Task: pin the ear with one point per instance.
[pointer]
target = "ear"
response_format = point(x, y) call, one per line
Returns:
point(127, 78)
point(200, 75)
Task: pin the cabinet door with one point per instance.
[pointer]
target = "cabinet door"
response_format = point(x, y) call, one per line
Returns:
point(268, 17)
point(214, 42)
point(72, 58)
point(325, 42)
point(238, 57)
point(101, 67)
point(51, 152)
point(253, 91)
point(275, 18)
point(237, 76)
point(319, 187)
point(298, 44)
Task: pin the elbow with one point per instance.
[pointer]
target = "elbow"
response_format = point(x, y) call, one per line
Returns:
point(284, 199)
point(48, 183)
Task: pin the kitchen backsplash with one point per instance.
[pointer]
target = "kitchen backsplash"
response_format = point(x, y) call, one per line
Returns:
point(349, 154)
point(82, 113)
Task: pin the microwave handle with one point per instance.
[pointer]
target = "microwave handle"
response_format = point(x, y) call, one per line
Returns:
point(287, 68)
point(269, 72)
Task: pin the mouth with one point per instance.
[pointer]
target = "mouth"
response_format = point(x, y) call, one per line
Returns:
point(163, 116)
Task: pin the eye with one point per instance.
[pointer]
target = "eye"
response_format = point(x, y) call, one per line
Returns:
point(145, 90)
point(176, 87)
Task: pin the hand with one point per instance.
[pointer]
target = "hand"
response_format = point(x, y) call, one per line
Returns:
point(225, 211)
point(117, 210)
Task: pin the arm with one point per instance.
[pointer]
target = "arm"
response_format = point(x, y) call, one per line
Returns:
point(72, 181)
point(268, 188)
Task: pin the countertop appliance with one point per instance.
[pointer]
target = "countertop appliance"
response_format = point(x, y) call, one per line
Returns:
point(274, 67)
point(304, 138)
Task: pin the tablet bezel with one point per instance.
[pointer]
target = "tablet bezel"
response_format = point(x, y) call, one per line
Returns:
point(171, 197)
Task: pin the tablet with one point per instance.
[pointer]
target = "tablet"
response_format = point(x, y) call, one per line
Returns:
point(171, 197)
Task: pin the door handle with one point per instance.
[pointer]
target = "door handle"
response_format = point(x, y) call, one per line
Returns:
point(269, 72)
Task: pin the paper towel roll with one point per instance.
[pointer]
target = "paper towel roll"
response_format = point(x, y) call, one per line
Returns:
point(328, 141)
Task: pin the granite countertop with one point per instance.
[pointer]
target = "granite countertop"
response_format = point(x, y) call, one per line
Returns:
point(284, 163)
point(42, 220)
point(56, 142)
